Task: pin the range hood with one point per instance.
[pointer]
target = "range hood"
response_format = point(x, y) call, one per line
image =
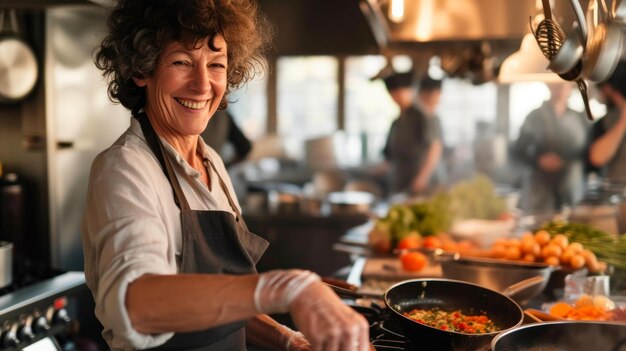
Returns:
point(471, 37)
point(445, 21)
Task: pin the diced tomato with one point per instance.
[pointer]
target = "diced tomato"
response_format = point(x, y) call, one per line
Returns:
point(453, 321)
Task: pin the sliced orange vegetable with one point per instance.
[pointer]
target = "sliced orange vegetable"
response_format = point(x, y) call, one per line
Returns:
point(561, 309)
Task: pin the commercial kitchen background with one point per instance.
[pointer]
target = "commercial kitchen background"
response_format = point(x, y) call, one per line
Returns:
point(316, 111)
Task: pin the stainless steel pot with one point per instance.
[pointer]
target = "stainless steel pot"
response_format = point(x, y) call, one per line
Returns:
point(6, 263)
point(498, 275)
point(18, 68)
point(350, 202)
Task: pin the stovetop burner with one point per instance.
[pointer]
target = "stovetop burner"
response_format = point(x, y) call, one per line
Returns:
point(385, 333)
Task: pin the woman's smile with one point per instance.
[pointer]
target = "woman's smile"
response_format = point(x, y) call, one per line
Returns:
point(193, 105)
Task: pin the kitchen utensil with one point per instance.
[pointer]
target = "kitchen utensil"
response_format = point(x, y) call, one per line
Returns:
point(450, 295)
point(542, 316)
point(18, 66)
point(498, 274)
point(548, 33)
point(604, 47)
point(573, 46)
point(350, 202)
point(550, 38)
point(6, 263)
point(603, 51)
point(352, 294)
point(619, 11)
point(563, 335)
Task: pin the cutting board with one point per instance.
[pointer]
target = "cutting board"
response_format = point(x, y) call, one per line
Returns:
point(391, 269)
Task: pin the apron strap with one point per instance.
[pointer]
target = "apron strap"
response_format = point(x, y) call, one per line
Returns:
point(225, 190)
point(157, 149)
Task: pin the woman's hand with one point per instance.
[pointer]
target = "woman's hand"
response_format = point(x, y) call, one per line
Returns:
point(328, 323)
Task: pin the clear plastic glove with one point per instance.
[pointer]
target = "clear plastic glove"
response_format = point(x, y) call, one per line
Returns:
point(327, 323)
point(292, 340)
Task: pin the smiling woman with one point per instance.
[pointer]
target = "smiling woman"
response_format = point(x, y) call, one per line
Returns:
point(162, 225)
point(186, 89)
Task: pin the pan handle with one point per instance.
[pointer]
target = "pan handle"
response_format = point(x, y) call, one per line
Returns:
point(350, 294)
point(518, 287)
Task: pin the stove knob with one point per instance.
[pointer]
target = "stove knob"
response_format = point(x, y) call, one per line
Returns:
point(25, 330)
point(61, 316)
point(40, 325)
point(9, 336)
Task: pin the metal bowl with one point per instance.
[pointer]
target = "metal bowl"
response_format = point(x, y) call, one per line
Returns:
point(498, 274)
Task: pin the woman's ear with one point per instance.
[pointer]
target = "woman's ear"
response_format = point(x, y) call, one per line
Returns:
point(140, 82)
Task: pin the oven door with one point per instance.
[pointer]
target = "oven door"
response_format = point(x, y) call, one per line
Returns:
point(45, 344)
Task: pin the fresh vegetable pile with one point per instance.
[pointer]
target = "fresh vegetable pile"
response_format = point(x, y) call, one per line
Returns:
point(475, 198)
point(607, 247)
point(554, 249)
point(596, 308)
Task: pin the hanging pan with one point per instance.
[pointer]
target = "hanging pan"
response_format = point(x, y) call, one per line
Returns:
point(18, 65)
point(604, 47)
point(551, 41)
point(571, 51)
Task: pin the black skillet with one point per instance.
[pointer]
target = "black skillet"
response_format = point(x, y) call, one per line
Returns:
point(567, 335)
point(450, 295)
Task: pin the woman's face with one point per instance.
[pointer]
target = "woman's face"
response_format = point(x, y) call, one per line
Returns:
point(186, 88)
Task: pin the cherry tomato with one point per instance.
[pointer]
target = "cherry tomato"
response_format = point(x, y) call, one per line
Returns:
point(410, 242)
point(413, 261)
point(432, 242)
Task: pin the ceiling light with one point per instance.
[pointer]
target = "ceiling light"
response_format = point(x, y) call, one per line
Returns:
point(396, 11)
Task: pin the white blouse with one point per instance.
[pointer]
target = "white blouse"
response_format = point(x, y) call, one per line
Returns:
point(132, 225)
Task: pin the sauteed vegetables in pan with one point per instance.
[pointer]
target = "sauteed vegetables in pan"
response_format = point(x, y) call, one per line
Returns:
point(453, 321)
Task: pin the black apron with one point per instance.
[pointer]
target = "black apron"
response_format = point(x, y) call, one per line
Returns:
point(213, 242)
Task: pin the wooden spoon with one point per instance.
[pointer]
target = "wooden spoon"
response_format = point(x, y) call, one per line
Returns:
point(542, 316)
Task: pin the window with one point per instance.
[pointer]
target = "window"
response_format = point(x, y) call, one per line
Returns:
point(524, 97)
point(307, 99)
point(462, 106)
point(248, 105)
point(369, 107)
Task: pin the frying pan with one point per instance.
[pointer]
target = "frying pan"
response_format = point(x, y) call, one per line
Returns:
point(570, 335)
point(450, 295)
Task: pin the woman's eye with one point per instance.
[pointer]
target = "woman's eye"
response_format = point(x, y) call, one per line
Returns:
point(181, 63)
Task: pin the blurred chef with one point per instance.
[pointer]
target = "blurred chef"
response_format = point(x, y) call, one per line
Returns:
point(414, 146)
point(551, 145)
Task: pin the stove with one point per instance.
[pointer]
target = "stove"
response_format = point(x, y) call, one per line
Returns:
point(385, 333)
point(38, 310)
